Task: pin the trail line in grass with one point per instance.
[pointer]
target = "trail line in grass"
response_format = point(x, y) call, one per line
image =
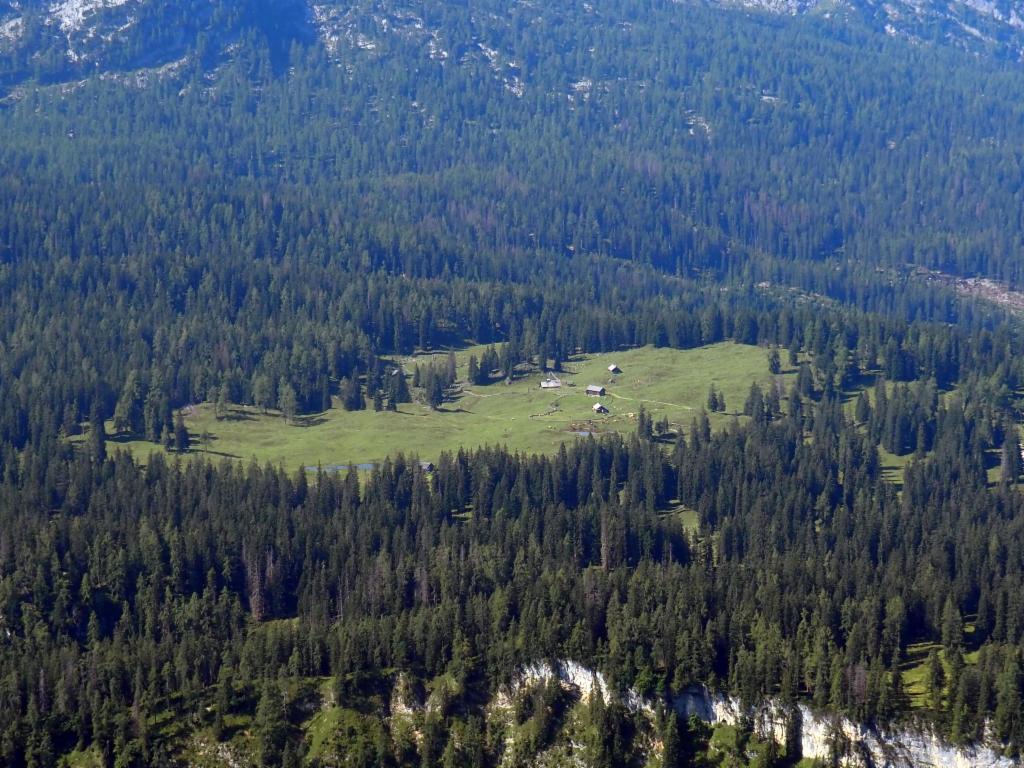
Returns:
point(481, 394)
point(656, 402)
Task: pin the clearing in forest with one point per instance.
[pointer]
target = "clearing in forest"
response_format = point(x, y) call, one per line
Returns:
point(668, 383)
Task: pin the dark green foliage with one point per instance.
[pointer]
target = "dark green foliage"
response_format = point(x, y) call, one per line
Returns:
point(713, 400)
point(435, 379)
point(223, 703)
point(97, 435)
point(672, 745)
point(271, 725)
point(181, 436)
point(630, 588)
point(396, 388)
point(352, 394)
point(286, 400)
point(268, 257)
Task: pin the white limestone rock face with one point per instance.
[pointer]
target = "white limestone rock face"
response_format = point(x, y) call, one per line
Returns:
point(818, 735)
point(71, 15)
point(859, 746)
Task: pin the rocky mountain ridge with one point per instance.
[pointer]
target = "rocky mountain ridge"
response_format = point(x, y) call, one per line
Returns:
point(974, 26)
point(64, 40)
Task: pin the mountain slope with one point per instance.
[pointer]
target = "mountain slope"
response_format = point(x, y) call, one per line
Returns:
point(70, 39)
point(974, 26)
point(683, 137)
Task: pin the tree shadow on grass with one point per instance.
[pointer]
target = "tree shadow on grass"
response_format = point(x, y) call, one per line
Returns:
point(458, 409)
point(202, 443)
point(223, 454)
point(860, 382)
point(237, 415)
point(309, 421)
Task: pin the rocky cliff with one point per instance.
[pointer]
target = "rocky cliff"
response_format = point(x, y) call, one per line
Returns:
point(818, 736)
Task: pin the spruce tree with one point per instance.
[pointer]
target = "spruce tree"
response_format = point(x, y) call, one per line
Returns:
point(712, 399)
point(287, 401)
point(270, 724)
point(181, 438)
point(97, 438)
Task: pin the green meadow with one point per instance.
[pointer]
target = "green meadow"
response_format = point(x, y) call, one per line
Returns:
point(668, 383)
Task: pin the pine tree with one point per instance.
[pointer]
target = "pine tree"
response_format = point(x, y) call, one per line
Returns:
point(325, 393)
point(222, 705)
point(451, 371)
point(712, 399)
point(262, 392)
point(287, 401)
point(959, 714)
point(400, 392)
point(596, 748)
point(936, 681)
point(128, 416)
point(952, 625)
point(672, 747)
point(754, 406)
point(1007, 720)
point(793, 354)
point(434, 387)
point(69, 420)
point(352, 395)
point(271, 725)
point(97, 434)
point(224, 399)
point(1010, 461)
point(181, 438)
point(644, 427)
point(862, 411)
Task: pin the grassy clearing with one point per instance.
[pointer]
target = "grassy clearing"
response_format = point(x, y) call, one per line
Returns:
point(915, 672)
point(728, 747)
point(339, 734)
point(667, 382)
point(89, 758)
point(688, 517)
point(915, 668)
point(893, 465)
point(725, 738)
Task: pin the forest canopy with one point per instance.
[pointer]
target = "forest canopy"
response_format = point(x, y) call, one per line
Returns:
point(274, 225)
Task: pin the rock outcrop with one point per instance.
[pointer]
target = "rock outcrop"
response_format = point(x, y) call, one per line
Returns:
point(822, 736)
